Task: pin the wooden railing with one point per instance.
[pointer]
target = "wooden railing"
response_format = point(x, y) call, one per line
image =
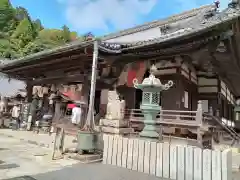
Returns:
point(165, 117)
point(216, 121)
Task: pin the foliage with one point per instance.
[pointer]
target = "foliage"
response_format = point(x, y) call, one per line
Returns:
point(21, 36)
point(6, 16)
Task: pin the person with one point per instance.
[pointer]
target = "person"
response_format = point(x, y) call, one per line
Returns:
point(76, 114)
point(16, 114)
point(2, 109)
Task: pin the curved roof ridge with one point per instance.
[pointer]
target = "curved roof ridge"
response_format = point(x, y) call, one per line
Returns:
point(148, 25)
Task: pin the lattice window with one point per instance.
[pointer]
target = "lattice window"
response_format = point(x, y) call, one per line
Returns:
point(155, 98)
point(146, 98)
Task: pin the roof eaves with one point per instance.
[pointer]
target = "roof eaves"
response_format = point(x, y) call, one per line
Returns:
point(58, 50)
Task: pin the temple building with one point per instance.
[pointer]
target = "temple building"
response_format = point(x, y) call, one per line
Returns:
point(198, 50)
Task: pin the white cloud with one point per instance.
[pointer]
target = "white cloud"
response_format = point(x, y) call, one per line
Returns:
point(86, 15)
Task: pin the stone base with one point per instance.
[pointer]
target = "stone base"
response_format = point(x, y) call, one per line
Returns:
point(86, 158)
point(114, 130)
point(149, 134)
point(114, 123)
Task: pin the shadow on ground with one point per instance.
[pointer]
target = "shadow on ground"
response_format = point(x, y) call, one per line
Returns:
point(22, 178)
point(89, 172)
point(8, 166)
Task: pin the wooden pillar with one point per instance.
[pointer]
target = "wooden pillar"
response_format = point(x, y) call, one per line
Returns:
point(85, 99)
point(57, 114)
point(53, 91)
point(199, 117)
point(32, 113)
point(29, 89)
point(28, 115)
point(50, 103)
point(45, 99)
point(85, 91)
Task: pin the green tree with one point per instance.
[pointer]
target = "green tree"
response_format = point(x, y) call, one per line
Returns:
point(36, 46)
point(20, 35)
point(21, 13)
point(24, 32)
point(7, 15)
point(74, 36)
point(37, 25)
point(66, 33)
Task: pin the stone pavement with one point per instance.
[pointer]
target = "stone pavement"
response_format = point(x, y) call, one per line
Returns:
point(236, 175)
point(19, 158)
point(43, 140)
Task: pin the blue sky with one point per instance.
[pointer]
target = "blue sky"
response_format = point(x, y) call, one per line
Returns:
point(104, 16)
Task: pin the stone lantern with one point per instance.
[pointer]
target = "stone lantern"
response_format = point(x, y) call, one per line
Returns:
point(151, 88)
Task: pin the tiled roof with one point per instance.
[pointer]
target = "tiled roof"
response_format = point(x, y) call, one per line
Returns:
point(161, 22)
point(200, 23)
point(190, 23)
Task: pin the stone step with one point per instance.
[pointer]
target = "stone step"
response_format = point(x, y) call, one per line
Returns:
point(114, 130)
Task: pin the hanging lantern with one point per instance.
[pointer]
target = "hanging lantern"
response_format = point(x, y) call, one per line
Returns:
point(72, 88)
point(40, 91)
point(34, 90)
point(51, 98)
point(79, 87)
point(53, 88)
point(45, 90)
point(65, 88)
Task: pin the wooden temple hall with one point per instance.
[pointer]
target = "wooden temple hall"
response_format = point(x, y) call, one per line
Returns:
point(199, 50)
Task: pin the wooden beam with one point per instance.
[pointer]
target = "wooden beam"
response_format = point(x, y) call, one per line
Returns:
point(66, 66)
point(100, 85)
point(83, 67)
point(52, 68)
point(50, 62)
point(59, 79)
point(70, 78)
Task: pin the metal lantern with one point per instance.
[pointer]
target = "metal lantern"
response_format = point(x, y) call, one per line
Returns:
point(151, 88)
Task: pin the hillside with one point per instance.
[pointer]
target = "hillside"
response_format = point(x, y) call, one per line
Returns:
point(20, 35)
